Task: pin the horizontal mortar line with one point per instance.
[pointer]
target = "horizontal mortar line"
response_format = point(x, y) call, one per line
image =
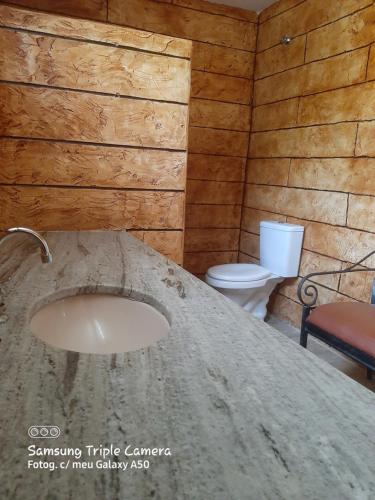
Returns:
point(279, 13)
point(326, 91)
point(209, 251)
point(320, 26)
point(278, 292)
point(84, 40)
point(249, 232)
point(312, 158)
point(304, 188)
point(156, 230)
point(340, 226)
point(217, 128)
point(336, 54)
point(223, 129)
point(200, 98)
point(88, 143)
point(208, 205)
point(219, 155)
point(213, 227)
point(92, 187)
point(315, 125)
point(214, 13)
point(183, 38)
point(216, 155)
point(248, 254)
point(326, 58)
point(248, 79)
point(91, 92)
point(322, 286)
point(268, 211)
point(218, 204)
point(346, 262)
point(354, 229)
point(215, 180)
point(198, 70)
point(277, 102)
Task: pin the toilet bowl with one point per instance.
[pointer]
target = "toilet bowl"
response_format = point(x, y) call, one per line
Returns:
point(250, 285)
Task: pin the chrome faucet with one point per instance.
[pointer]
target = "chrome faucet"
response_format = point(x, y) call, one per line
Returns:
point(45, 252)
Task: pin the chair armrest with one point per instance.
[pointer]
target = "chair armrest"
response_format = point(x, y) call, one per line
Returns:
point(309, 290)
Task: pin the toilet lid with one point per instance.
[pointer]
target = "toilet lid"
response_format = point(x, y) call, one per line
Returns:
point(238, 272)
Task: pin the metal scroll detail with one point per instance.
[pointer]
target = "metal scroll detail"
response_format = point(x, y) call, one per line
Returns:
point(308, 292)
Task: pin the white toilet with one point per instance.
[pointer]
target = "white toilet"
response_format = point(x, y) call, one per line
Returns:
point(250, 285)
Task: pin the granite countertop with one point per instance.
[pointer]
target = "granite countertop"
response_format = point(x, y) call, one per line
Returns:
point(246, 413)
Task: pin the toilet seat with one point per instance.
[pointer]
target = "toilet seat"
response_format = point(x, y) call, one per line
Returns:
point(239, 272)
point(238, 276)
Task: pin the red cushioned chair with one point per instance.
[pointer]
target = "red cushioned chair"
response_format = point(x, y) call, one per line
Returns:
point(349, 327)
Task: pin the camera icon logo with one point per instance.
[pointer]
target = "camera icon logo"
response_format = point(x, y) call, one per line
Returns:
point(44, 431)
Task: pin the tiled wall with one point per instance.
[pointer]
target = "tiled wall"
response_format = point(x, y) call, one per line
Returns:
point(312, 150)
point(222, 70)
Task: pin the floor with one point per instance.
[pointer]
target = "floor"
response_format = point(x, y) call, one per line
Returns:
point(331, 356)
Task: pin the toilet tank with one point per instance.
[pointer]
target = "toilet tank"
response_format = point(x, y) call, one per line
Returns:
point(280, 247)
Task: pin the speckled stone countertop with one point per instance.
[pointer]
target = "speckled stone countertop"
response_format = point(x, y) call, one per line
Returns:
point(247, 413)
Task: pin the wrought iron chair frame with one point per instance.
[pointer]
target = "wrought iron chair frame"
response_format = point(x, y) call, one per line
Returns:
point(306, 288)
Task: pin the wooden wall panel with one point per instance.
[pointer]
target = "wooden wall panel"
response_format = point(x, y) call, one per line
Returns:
point(312, 142)
point(351, 175)
point(365, 145)
point(218, 142)
point(271, 171)
point(91, 9)
point(47, 208)
point(213, 216)
point(212, 114)
point(88, 132)
point(322, 206)
point(63, 164)
point(74, 116)
point(222, 60)
point(280, 58)
point(276, 8)
point(305, 17)
point(221, 87)
point(344, 35)
point(168, 243)
point(216, 168)
point(214, 192)
point(214, 8)
point(186, 23)
point(211, 240)
point(330, 141)
point(80, 29)
point(47, 60)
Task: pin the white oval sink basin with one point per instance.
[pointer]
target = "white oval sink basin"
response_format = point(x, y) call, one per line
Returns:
point(100, 324)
